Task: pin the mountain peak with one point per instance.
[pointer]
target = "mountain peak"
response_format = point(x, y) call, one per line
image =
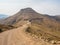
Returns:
point(28, 10)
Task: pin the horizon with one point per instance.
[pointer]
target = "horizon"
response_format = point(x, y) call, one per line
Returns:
point(11, 7)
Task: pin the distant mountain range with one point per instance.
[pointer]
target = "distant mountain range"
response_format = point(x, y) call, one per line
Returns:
point(2, 16)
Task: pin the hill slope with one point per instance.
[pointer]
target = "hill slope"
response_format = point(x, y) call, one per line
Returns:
point(19, 36)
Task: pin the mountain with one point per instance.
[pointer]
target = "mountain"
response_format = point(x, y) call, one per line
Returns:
point(2, 16)
point(43, 26)
point(26, 13)
point(57, 18)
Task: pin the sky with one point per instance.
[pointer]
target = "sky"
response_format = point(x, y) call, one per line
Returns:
point(10, 7)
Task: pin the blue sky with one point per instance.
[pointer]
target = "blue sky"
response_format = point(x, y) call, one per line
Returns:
point(10, 7)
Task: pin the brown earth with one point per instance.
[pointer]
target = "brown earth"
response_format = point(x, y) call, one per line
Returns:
point(18, 36)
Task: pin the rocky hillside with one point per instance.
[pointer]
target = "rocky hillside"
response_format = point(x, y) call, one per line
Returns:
point(57, 18)
point(20, 36)
point(5, 27)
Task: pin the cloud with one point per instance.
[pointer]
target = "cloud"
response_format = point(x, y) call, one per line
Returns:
point(10, 7)
point(47, 7)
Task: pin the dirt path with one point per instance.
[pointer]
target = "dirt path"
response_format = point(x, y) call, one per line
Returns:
point(14, 36)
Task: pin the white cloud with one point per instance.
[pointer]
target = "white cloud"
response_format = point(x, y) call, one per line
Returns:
point(10, 7)
point(47, 8)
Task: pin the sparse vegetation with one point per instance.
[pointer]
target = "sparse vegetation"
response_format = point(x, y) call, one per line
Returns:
point(1, 30)
point(5, 27)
